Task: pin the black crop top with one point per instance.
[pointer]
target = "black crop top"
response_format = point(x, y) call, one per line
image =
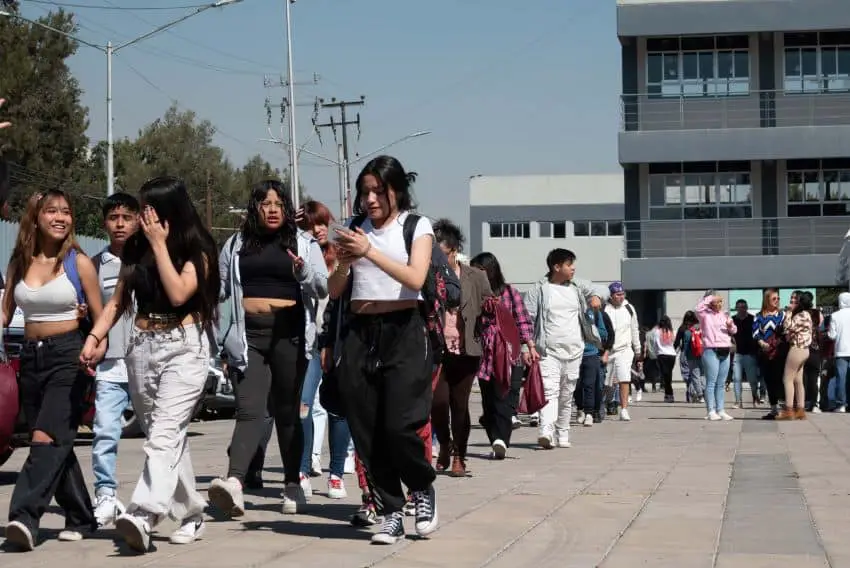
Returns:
point(151, 297)
point(268, 273)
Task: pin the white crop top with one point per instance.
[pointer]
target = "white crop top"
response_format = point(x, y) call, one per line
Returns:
point(55, 301)
point(372, 283)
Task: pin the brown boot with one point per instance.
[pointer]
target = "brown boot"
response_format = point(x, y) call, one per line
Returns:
point(786, 414)
point(800, 414)
point(445, 457)
point(458, 467)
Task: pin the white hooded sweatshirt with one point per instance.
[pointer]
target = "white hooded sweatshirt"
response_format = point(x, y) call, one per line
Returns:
point(839, 326)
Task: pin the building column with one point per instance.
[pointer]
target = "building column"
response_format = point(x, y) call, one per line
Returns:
point(630, 104)
point(769, 208)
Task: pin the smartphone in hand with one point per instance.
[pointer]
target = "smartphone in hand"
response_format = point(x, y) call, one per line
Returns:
point(333, 236)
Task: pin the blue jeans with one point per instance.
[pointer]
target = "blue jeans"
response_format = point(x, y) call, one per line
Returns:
point(339, 436)
point(111, 399)
point(841, 365)
point(716, 369)
point(745, 365)
point(600, 391)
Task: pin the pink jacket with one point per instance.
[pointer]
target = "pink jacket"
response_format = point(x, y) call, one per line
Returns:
point(717, 327)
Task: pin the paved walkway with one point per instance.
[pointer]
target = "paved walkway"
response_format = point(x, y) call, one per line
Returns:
point(667, 489)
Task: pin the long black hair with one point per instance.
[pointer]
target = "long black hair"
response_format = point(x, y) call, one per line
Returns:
point(806, 303)
point(390, 174)
point(188, 241)
point(490, 265)
point(254, 235)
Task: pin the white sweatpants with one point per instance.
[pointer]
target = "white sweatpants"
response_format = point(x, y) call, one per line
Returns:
point(620, 367)
point(559, 384)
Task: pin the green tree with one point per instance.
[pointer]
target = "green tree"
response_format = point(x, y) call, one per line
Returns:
point(46, 147)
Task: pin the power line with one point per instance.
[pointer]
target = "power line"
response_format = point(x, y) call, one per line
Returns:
point(113, 7)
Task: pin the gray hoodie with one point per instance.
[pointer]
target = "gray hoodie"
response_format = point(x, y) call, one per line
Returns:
point(314, 287)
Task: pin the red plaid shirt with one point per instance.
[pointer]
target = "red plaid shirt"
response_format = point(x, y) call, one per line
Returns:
point(512, 300)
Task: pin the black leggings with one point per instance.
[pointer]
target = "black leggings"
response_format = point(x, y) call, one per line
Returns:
point(52, 393)
point(385, 381)
point(811, 373)
point(272, 382)
point(665, 366)
point(772, 371)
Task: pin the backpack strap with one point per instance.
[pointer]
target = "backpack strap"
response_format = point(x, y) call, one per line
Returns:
point(630, 310)
point(70, 266)
point(409, 230)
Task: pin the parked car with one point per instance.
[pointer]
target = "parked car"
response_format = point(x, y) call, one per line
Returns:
point(218, 401)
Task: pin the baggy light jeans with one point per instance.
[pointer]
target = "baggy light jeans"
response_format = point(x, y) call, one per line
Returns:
point(560, 378)
point(167, 371)
point(111, 400)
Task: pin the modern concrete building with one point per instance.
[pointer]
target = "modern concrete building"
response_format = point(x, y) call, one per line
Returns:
point(734, 142)
point(521, 218)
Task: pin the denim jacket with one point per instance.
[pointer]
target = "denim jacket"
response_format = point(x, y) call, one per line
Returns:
point(314, 286)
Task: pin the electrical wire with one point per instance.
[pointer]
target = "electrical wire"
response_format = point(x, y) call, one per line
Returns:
point(115, 8)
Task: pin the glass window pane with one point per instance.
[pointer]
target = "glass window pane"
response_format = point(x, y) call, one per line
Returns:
point(811, 186)
point(559, 230)
point(795, 187)
point(654, 68)
point(742, 64)
point(836, 209)
point(690, 66)
point(793, 85)
point(495, 230)
point(810, 62)
point(615, 228)
point(581, 228)
point(844, 189)
point(844, 61)
point(736, 212)
point(545, 229)
point(656, 190)
point(665, 213)
point(524, 230)
point(830, 186)
point(804, 210)
point(671, 66)
point(743, 190)
point(792, 63)
point(706, 65)
point(673, 190)
point(725, 65)
point(700, 212)
point(828, 61)
point(598, 229)
point(700, 189)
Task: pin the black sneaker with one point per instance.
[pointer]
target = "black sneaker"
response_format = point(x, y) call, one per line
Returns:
point(391, 531)
point(366, 516)
point(426, 511)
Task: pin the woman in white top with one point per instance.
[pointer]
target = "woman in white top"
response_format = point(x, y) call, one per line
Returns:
point(48, 277)
point(665, 351)
point(385, 370)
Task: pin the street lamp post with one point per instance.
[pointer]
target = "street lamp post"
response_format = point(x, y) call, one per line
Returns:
point(343, 164)
point(293, 147)
point(109, 50)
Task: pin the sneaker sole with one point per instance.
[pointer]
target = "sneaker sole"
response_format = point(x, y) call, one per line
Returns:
point(499, 451)
point(340, 495)
point(70, 536)
point(545, 443)
point(131, 535)
point(223, 501)
point(431, 527)
point(19, 537)
point(199, 534)
point(290, 509)
point(382, 539)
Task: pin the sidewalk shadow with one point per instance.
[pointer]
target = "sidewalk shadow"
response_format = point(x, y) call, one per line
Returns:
point(8, 477)
point(338, 529)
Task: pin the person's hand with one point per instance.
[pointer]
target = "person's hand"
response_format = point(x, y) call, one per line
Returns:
point(604, 358)
point(531, 356)
point(325, 357)
point(345, 258)
point(354, 242)
point(299, 215)
point(297, 262)
point(155, 231)
point(93, 351)
point(82, 311)
point(4, 124)
point(595, 302)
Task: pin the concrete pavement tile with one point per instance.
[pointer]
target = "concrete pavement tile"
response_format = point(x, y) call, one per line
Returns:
point(633, 558)
point(770, 561)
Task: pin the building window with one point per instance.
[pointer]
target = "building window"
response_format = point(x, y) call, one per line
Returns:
point(597, 228)
point(552, 229)
point(514, 230)
point(819, 191)
point(701, 191)
point(698, 66)
point(817, 62)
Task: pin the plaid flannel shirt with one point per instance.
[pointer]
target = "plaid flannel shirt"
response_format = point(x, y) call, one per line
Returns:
point(512, 300)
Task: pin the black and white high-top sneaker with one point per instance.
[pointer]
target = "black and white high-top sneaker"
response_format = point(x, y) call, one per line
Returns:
point(426, 511)
point(392, 530)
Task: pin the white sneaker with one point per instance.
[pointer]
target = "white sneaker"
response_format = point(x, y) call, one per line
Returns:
point(713, 416)
point(725, 415)
point(580, 417)
point(293, 497)
point(736, 406)
point(624, 415)
point(515, 423)
point(190, 530)
point(564, 442)
point(545, 442)
point(20, 536)
point(588, 420)
point(135, 529)
point(841, 409)
point(816, 410)
point(107, 508)
point(70, 536)
point(306, 486)
point(350, 467)
point(336, 488)
point(226, 495)
point(500, 450)
point(639, 396)
point(316, 466)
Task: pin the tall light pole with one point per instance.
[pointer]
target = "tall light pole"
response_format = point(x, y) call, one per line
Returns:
point(109, 50)
point(343, 164)
point(290, 71)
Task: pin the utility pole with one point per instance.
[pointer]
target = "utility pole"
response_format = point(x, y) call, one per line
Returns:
point(208, 200)
point(344, 123)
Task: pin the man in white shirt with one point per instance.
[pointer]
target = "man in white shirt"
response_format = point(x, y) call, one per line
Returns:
point(626, 344)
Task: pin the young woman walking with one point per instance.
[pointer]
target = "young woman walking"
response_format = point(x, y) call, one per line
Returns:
point(385, 373)
point(274, 274)
point(768, 333)
point(665, 353)
point(717, 331)
point(799, 329)
point(52, 385)
point(170, 281)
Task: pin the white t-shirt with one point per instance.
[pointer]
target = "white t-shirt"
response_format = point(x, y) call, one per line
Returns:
point(372, 283)
point(561, 323)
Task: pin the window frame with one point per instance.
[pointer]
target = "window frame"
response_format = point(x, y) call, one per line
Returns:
point(820, 82)
point(515, 227)
point(707, 204)
point(824, 204)
point(706, 83)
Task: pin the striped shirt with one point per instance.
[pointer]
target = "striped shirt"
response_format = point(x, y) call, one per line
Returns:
point(765, 325)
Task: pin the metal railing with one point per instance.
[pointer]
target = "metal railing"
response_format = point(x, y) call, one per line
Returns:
point(758, 109)
point(776, 236)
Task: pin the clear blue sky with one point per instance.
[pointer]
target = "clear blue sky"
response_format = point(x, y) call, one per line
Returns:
point(506, 87)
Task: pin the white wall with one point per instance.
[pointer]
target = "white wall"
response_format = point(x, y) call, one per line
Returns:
point(546, 189)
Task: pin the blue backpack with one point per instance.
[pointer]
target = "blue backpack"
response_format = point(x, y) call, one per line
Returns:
point(70, 266)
